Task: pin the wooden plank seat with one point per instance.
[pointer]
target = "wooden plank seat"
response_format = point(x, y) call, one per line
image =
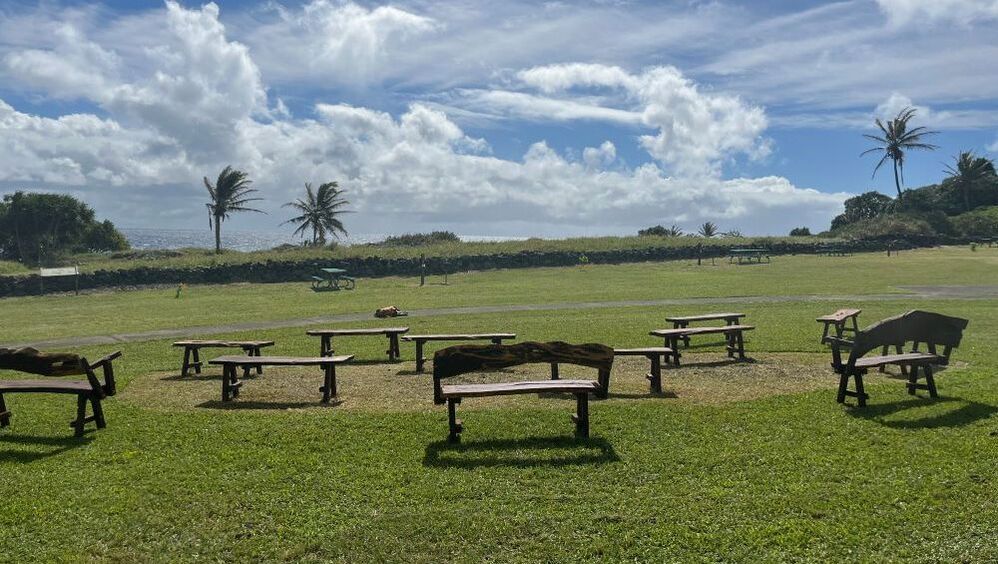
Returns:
point(919, 328)
point(92, 390)
point(733, 335)
point(462, 359)
point(231, 384)
point(326, 338)
point(840, 321)
point(656, 356)
point(683, 321)
point(192, 354)
point(420, 340)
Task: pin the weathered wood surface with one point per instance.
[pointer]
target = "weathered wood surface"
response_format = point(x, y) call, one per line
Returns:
point(280, 360)
point(344, 332)
point(703, 317)
point(512, 388)
point(46, 386)
point(643, 351)
point(898, 359)
point(914, 326)
point(33, 361)
point(700, 330)
point(840, 315)
point(223, 344)
point(460, 337)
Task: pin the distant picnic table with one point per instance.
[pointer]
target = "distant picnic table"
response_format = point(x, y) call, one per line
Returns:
point(333, 279)
point(748, 255)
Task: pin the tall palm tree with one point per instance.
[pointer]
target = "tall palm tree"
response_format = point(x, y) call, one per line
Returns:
point(969, 171)
point(229, 194)
point(319, 210)
point(708, 229)
point(895, 139)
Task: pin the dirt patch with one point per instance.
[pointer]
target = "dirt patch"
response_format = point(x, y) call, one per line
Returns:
point(704, 379)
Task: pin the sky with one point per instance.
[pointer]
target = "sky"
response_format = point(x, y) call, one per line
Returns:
point(507, 118)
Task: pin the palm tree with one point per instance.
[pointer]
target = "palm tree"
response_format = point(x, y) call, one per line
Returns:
point(674, 231)
point(319, 210)
point(969, 171)
point(896, 138)
point(708, 229)
point(229, 194)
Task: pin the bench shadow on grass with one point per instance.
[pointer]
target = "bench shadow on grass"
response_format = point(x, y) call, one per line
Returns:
point(513, 453)
point(59, 445)
point(237, 405)
point(964, 412)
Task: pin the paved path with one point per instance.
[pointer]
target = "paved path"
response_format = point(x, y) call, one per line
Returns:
point(918, 293)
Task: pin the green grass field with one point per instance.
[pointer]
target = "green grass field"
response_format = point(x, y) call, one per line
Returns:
point(745, 462)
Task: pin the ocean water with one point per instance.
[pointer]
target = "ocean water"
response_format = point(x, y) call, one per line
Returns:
point(142, 238)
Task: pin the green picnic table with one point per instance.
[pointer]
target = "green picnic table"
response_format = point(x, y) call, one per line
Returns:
point(332, 279)
point(748, 255)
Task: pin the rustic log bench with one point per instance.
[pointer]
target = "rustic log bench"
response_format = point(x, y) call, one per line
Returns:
point(915, 327)
point(682, 322)
point(840, 320)
point(59, 364)
point(192, 355)
point(231, 384)
point(461, 359)
point(732, 335)
point(420, 340)
point(326, 336)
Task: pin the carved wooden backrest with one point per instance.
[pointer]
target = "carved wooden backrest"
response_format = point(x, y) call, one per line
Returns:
point(33, 361)
point(461, 359)
point(916, 326)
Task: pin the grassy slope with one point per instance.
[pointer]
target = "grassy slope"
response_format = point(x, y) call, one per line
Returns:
point(121, 312)
point(779, 478)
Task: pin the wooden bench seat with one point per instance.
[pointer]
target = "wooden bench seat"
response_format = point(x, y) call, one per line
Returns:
point(683, 321)
point(733, 335)
point(656, 356)
point(91, 390)
point(840, 321)
point(420, 340)
point(326, 338)
point(192, 354)
point(462, 359)
point(902, 359)
point(231, 384)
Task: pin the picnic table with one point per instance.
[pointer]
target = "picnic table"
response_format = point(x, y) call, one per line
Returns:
point(683, 321)
point(734, 340)
point(192, 352)
point(420, 340)
point(748, 255)
point(326, 338)
point(333, 279)
point(231, 384)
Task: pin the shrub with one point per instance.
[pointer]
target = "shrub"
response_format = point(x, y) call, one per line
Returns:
point(420, 239)
point(887, 226)
point(800, 232)
point(659, 231)
point(982, 222)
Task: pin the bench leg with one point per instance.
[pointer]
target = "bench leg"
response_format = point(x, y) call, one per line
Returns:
point(196, 353)
point(419, 356)
point(883, 352)
point(930, 381)
point(581, 417)
point(4, 414)
point(655, 374)
point(843, 385)
point(740, 340)
point(455, 424)
point(844, 391)
point(860, 394)
point(98, 412)
point(230, 382)
point(186, 365)
point(81, 415)
point(554, 371)
point(328, 388)
point(393, 347)
point(732, 345)
point(259, 368)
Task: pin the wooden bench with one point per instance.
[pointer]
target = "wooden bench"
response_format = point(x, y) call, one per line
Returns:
point(326, 338)
point(231, 384)
point(732, 335)
point(916, 327)
point(748, 254)
point(420, 340)
point(192, 356)
point(656, 356)
point(840, 321)
point(59, 364)
point(682, 322)
point(461, 359)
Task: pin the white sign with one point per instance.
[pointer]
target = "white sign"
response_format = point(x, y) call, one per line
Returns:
point(65, 271)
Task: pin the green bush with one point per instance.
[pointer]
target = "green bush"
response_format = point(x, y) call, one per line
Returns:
point(800, 232)
point(982, 222)
point(420, 239)
point(887, 226)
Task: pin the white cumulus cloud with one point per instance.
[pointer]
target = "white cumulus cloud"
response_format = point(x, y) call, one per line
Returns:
point(964, 12)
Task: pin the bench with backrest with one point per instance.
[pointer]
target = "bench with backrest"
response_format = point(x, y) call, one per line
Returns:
point(733, 336)
point(92, 390)
point(934, 331)
point(655, 355)
point(840, 321)
point(231, 383)
point(462, 359)
point(420, 340)
point(192, 355)
point(326, 338)
point(683, 321)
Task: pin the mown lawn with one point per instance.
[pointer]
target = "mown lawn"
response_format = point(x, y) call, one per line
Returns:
point(785, 476)
point(110, 312)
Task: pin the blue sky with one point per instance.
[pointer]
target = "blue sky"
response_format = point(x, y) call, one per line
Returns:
point(513, 118)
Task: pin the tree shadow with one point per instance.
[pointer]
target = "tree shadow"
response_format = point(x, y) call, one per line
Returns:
point(266, 405)
point(965, 412)
point(510, 453)
point(59, 444)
